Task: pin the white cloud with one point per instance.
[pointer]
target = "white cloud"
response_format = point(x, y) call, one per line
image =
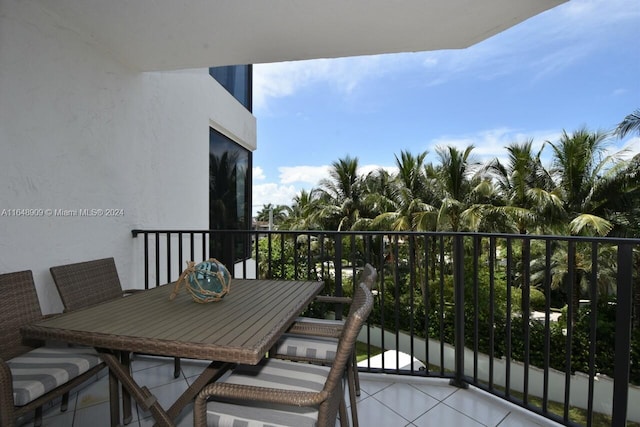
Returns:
point(340, 74)
point(489, 144)
point(545, 44)
point(313, 174)
point(628, 148)
point(303, 174)
point(258, 173)
point(292, 180)
point(283, 79)
point(272, 193)
point(366, 169)
point(589, 13)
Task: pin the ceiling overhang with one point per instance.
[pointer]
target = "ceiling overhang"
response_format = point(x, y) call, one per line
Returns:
point(151, 35)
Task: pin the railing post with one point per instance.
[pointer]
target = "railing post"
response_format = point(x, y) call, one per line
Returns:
point(623, 335)
point(458, 283)
point(337, 269)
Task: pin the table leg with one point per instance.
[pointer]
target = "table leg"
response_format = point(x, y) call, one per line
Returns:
point(210, 373)
point(125, 357)
point(114, 401)
point(118, 371)
point(176, 367)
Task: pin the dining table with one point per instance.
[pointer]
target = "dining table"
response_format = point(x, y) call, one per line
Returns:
point(239, 329)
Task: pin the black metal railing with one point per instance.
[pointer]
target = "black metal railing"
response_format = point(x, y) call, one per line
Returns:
point(550, 323)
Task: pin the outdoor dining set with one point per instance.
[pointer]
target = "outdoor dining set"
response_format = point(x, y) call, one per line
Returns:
point(267, 364)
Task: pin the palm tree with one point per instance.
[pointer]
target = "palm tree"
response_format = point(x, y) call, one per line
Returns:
point(301, 212)
point(377, 190)
point(407, 197)
point(629, 124)
point(263, 214)
point(581, 173)
point(279, 213)
point(626, 217)
point(340, 197)
point(588, 182)
point(458, 187)
point(526, 187)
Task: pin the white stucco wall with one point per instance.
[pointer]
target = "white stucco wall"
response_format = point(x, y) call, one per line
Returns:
point(78, 130)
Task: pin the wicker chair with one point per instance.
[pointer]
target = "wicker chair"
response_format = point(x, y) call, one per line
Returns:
point(330, 327)
point(316, 340)
point(88, 283)
point(280, 392)
point(26, 385)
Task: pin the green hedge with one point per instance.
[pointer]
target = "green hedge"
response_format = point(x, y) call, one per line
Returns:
point(413, 312)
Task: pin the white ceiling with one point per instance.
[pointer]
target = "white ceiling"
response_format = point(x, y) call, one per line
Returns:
point(174, 34)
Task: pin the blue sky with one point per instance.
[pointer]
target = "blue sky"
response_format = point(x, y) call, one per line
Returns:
point(573, 66)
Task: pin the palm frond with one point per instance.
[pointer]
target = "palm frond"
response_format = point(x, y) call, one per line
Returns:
point(589, 224)
point(629, 124)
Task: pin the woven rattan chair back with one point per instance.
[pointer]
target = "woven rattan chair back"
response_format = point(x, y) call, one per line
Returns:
point(369, 276)
point(19, 306)
point(328, 400)
point(87, 283)
point(362, 305)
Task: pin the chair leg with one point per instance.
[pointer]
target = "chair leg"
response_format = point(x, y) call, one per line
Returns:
point(355, 373)
point(344, 418)
point(352, 395)
point(37, 421)
point(65, 402)
point(126, 397)
point(176, 367)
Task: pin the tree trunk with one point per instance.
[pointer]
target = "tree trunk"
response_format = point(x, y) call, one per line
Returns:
point(575, 299)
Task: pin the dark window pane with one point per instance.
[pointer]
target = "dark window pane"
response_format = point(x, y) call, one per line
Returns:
point(237, 80)
point(229, 195)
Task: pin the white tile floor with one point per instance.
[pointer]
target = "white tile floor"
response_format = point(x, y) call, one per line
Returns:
point(386, 400)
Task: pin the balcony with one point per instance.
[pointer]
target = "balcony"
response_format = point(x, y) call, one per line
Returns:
point(483, 347)
point(547, 324)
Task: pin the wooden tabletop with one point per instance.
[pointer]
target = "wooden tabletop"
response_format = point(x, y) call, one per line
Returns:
point(240, 328)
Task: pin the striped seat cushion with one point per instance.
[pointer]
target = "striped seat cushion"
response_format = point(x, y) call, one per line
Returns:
point(309, 347)
point(43, 369)
point(273, 373)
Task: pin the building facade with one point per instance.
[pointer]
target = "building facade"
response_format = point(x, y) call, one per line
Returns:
point(91, 149)
point(108, 109)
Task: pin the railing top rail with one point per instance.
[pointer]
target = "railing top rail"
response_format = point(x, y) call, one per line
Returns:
point(612, 240)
